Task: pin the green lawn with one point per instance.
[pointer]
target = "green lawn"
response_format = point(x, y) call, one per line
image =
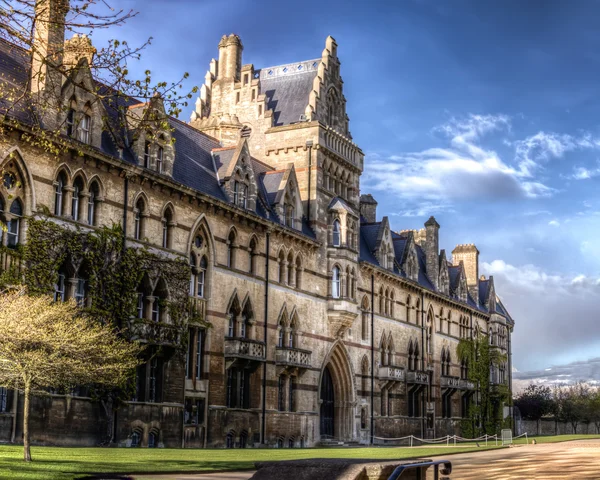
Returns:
point(54, 463)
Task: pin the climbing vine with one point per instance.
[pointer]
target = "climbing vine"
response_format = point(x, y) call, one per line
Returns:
point(113, 273)
point(484, 415)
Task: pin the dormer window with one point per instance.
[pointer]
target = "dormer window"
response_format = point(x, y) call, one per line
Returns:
point(159, 159)
point(337, 234)
point(83, 132)
point(71, 122)
point(147, 155)
point(289, 216)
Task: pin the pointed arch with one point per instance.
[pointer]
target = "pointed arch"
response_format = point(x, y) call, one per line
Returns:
point(16, 155)
point(201, 226)
point(337, 363)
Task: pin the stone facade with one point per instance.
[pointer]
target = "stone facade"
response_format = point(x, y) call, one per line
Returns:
point(324, 320)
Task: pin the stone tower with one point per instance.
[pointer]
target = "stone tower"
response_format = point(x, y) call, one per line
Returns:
point(469, 255)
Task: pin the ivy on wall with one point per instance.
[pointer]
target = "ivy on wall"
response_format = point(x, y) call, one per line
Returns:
point(485, 415)
point(112, 271)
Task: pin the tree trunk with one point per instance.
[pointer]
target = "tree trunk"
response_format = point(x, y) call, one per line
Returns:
point(26, 447)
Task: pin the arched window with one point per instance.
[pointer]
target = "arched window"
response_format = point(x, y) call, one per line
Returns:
point(392, 302)
point(353, 283)
point(381, 301)
point(252, 255)
point(348, 283)
point(81, 288)
point(231, 249)
point(139, 214)
point(70, 121)
point(298, 272)
point(201, 277)
point(449, 322)
point(59, 194)
point(408, 309)
point(152, 440)
point(365, 376)
point(365, 318)
point(384, 351)
point(147, 145)
point(76, 199)
point(192, 274)
point(233, 313)
point(160, 294)
point(293, 332)
point(289, 215)
point(291, 267)
point(85, 126)
point(281, 261)
point(136, 439)
point(160, 154)
point(337, 237)
point(281, 332)
point(167, 228)
point(387, 301)
point(13, 226)
point(94, 192)
point(59, 286)
point(335, 282)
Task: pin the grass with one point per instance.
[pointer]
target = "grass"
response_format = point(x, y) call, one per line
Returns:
point(56, 463)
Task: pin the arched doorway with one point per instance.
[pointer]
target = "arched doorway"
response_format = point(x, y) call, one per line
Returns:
point(327, 405)
point(336, 396)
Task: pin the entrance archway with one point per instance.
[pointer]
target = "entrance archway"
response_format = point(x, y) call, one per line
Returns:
point(336, 395)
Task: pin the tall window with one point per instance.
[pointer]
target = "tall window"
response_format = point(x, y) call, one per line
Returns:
point(289, 216)
point(147, 155)
point(201, 277)
point(83, 132)
point(252, 256)
point(154, 393)
point(71, 121)
point(59, 286)
point(4, 403)
point(94, 192)
point(80, 290)
point(336, 240)
point(160, 153)
point(13, 226)
point(281, 393)
point(238, 388)
point(281, 260)
point(167, 228)
point(75, 199)
point(298, 272)
point(59, 187)
point(335, 282)
point(138, 219)
point(231, 250)
point(236, 192)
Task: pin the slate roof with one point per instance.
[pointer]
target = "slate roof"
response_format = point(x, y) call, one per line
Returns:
point(271, 182)
point(287, 95)
point(193, 165)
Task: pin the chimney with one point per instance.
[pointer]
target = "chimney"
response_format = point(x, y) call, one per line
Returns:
point(230, 57)
point(78, 47)
point(368, 208)
point(432, 252)
point(48, 45)
point(469, 255)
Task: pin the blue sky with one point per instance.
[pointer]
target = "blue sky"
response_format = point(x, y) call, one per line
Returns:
point(482, 113)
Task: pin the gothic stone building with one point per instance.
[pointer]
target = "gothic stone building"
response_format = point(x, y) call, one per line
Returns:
point(326, 323)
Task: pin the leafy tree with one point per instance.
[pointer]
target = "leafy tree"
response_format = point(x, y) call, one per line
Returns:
point(110, 66)
point(594, 408)
point(572, 404)
point(47, 344)
point(535, 402)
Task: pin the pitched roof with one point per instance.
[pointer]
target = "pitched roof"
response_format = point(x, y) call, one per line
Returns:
point(287, 88)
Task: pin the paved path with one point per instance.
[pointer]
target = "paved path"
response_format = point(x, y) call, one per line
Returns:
point(578, 459)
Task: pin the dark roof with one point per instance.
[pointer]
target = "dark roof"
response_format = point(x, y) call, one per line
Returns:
point(14, 74)
point(193, 164)
point(483, 290)
point(287, 88)
point(271, 182)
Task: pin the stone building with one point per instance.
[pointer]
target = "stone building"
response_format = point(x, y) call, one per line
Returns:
point(326, 323)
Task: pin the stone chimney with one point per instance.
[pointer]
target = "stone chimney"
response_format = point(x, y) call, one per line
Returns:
point(432, 251)
point(48, 45)
point(368, 208)
point(469, 255)
point(78, 47)
point(230, 57)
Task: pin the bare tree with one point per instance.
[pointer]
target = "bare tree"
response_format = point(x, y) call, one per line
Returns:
point(47, 344)
point(33, 32)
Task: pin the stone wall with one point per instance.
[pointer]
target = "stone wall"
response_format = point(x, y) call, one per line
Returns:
point(553, 427)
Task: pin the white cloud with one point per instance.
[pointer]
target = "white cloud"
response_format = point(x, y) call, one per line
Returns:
point(554, 223)
point(466, 169)
point(556, 315)
point(583, 173)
